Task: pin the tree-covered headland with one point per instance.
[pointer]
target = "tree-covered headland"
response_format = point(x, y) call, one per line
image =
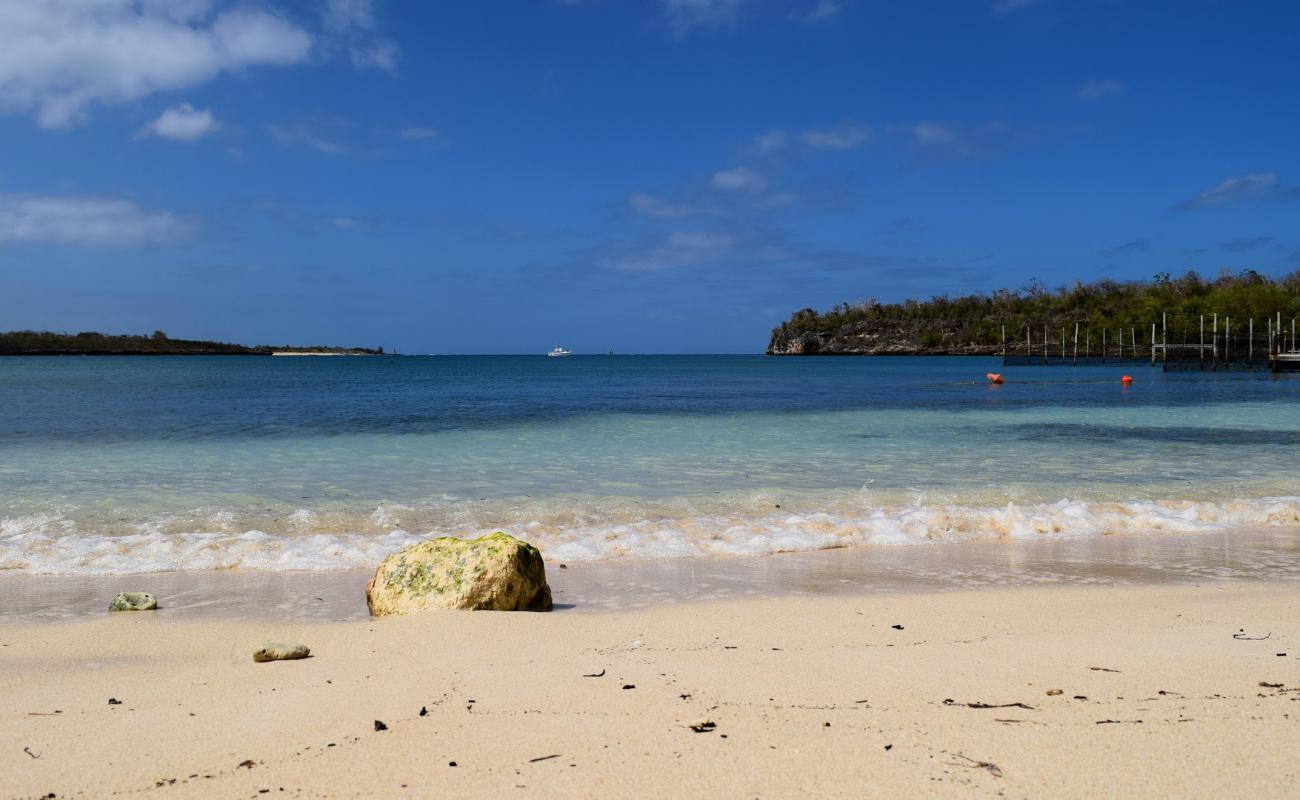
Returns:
point(974, 323)
point(92, 343)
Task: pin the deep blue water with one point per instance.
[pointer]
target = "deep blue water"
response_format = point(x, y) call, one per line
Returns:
point(108, 399)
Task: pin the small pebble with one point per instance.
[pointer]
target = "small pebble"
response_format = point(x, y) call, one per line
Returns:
point(133, 601)
point(280, 651)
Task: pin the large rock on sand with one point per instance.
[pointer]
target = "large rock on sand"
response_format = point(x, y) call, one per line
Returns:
point(494, 573)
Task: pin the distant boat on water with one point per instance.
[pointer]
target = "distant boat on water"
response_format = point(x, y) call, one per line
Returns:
point(559, 351)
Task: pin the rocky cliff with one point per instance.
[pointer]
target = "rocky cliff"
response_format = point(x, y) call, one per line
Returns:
point(879, 338)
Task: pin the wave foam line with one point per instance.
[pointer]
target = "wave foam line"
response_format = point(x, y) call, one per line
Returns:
point(46, 546)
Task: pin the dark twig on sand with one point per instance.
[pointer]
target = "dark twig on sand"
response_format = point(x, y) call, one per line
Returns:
point(993, 769)
point(1119, 721)
point(1102, 669)
point(950, 702)
point(600, 674)
point(29, 752)
point(1242, 637)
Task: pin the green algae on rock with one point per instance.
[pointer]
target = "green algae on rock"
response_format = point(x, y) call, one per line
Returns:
point(133, 601)
point(493, 573)
point(279, 651)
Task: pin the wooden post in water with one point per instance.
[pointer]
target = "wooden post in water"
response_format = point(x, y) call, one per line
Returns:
point(1201, 350)
point(1062, 345)
point(1227, 342)
point(1029, 350)
point(1215, 339)
point(1076, 343)
point(1103, 345)
point(1250, 344)
point(1133, 341)
point(1164, 341)
point(1044, 344)
point(1087, 344)
point(1004, 343)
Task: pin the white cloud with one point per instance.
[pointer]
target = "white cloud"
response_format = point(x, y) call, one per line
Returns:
point(344, 223)
point(354, 23)
point(843, 137)
point(770, 142)
point(933, 134)
point(416, 133)
point(686, 15)
point(823, 11)
point(1240, 188)
point(59, 58)
point(33, 219)
point(740, 179)
point(935, 142)
point(307, 135)
point(376, 54)
point(343, 15)
point(651, 206)
point(1095, 90)
point(677, 250)
point(183, 122)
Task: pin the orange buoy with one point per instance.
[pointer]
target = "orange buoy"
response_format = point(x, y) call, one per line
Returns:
point(995, 377)
point(1126, 380)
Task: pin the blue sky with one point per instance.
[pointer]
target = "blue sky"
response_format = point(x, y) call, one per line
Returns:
point(642, 175)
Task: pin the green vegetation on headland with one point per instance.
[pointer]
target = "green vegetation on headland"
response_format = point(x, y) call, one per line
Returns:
point(972, 325)
point(44, 343)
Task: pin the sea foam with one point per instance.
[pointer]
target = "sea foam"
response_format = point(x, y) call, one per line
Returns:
point(53, 544)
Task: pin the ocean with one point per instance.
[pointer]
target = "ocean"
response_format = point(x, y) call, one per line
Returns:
point(122, 465)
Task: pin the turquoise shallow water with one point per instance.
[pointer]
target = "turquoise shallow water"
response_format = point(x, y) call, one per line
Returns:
point(147, 464)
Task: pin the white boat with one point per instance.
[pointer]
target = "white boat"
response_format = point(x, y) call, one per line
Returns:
point(559, 351)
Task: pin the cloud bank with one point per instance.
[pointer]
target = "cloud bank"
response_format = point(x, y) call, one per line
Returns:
point(686, 15)
point(1253, 186)
point(59, 58)
point(38, 219)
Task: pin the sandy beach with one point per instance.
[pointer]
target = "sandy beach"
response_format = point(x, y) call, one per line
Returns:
point(1026, 692)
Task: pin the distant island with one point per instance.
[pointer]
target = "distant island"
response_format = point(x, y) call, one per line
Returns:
point(90, 343)
point(972, 325)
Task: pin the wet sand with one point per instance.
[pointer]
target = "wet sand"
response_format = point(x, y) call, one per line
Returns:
point(1121, 560)
point(1060, 691)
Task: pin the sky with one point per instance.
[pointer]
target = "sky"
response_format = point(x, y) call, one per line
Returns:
point(639, 175)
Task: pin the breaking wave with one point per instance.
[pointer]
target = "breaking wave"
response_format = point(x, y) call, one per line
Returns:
point(57, 543)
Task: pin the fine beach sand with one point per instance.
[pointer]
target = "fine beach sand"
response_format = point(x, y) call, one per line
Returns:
point(810, 697)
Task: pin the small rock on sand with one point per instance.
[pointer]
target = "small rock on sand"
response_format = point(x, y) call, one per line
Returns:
point(133, 601)
point(279, 651)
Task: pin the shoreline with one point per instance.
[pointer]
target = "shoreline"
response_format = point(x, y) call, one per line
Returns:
point(618, 585)
point(1045, 692)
